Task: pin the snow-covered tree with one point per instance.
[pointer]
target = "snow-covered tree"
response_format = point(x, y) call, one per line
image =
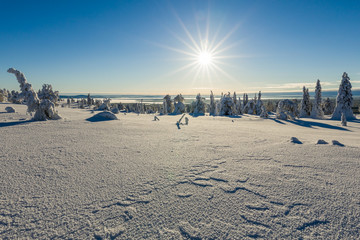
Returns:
point(249, 108)
point(167, 104)
point(263, 113)
point(89, 100)
point(328, 106)
point(226, 105)
point(286, 109)
point(212, 109)
point(245, 99)
point(3, 95)
point(239, 106)
point(317, 111)
point(305, 103)
point(344, 100)
point(105, 105)
point(47, 93)
point(179, 104)
point(199, 105)
point(44, 109)
point(259, 104)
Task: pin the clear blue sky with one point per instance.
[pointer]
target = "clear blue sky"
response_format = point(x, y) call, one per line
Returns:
point(137, 46)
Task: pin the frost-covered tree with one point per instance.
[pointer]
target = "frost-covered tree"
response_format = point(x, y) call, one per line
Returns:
point(286, 109)
point(47, 92)
point(305, 103)
point(105, 105)
point(328, 106)
point(263, 113)
point(199, 105)
point(167, 104)
point(239, 106)
point(249, 108)
point(179, 104)
point(317, 111)
point(259, 104)
point(212, 109)
point(44, 109)
point(15, 97)
point(226, 105)
point(344, 100)
point(245, 99)
point(89, 100)
point(3, 95)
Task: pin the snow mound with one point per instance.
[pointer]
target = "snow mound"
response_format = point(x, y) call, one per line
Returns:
point(320, 141)
point(115, 110)
point(10, 109)
point(295, 140)
point(337, 143)
point(102, 116)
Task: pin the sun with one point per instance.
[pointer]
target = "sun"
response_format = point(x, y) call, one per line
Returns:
point(204, 53)
point(205, 58)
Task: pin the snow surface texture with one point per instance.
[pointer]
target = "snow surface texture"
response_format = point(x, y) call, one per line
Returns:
point(344, 100)
point(44, 109)
point(143, 179)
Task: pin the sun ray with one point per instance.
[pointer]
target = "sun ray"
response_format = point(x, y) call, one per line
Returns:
point(205, 52)
point(227, 36)
point(188, 33)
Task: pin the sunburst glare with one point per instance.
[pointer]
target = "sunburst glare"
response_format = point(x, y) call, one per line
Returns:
point(203, 54)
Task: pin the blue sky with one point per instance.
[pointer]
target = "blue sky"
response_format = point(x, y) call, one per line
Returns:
point(140, 47)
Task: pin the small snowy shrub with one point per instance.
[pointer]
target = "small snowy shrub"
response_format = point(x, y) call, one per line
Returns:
point(286, 109)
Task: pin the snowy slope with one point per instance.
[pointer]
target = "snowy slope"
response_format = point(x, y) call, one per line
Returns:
point(217, 178)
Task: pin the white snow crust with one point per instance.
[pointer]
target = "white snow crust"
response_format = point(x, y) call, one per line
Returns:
point(142, 179)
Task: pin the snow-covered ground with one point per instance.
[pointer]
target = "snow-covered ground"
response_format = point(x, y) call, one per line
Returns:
point(217, 178)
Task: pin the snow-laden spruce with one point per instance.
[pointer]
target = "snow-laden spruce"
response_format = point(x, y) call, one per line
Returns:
point(179, 104)
point(3, 95)
point(344, 100)
point(167, 105)
point(286, 109)
point(212, 107)
point(259, 104)
point(198, 106)
point(305, 110)
point(264, 113)
point(227, 105)
point(105, 105)
point(328, 106)
point(44, 109)
point(317, 111)
point(47, 92)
